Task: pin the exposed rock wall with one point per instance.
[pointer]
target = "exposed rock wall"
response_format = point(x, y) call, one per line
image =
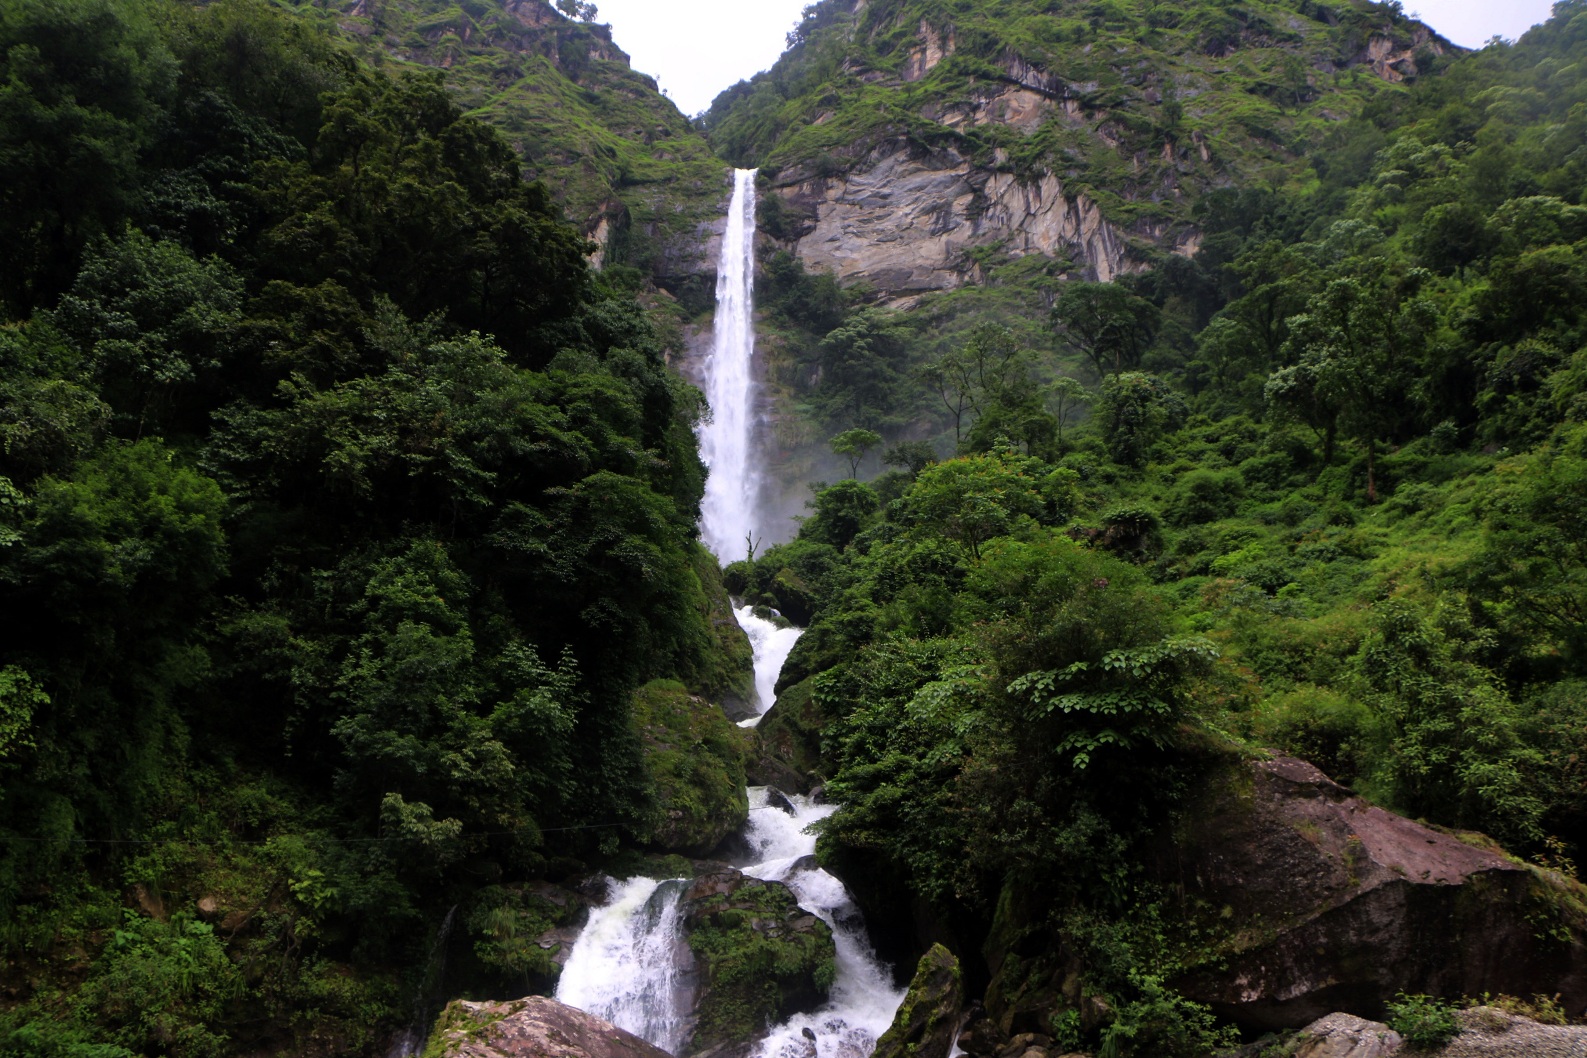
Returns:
point(906, 220)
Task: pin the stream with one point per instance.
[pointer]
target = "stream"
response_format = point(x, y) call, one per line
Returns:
point(632, 965)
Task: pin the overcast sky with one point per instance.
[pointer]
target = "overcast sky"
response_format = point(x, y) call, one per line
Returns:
point(696, 48)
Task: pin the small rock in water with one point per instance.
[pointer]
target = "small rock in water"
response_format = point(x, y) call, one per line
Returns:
point(775, 798)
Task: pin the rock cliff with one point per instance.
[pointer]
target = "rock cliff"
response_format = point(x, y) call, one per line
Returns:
point(911, 146)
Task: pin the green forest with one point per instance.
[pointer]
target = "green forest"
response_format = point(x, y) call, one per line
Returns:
point(350, 582)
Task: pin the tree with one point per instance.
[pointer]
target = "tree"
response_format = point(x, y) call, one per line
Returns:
point(584, 12)
point(913, 456)
point(853, 446)
point(1112, 327)
point(1358, 344)
point(974, 499)
point(1136, 410)
point(80, 88)
point(1068, 397)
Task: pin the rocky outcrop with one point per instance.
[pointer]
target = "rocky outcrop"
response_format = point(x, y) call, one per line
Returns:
point(926, 1024)
point(531, 1028)
point(760, 957)
point(905, 220)
point(1331, 904)
point(1485, 1032)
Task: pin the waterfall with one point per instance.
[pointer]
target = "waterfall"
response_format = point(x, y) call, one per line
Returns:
point(727, 513)
point(631, 965)
point(630, 962)
point(863, 1001)
point(771, 645)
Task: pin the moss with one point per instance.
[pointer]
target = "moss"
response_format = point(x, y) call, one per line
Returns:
point(762, 958)
point(695, 760)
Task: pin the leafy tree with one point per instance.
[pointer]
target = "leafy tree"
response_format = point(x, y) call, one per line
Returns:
point(853, 446)
point(82, 87)
point(1106, 323)
point(1360, 341)
point(1136, 410)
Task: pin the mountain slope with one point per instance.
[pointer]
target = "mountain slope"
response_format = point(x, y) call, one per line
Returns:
point(910, 139)
point(626, 164)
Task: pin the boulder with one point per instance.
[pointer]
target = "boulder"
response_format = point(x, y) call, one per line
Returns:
point(530, 1028)
point(1346, 1036)
point(787, 741)
point(760, 957)
point(926, 1024)
point(1327, 903)
point(695, 759)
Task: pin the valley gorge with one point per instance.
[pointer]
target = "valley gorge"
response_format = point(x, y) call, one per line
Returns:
point(1025, 530)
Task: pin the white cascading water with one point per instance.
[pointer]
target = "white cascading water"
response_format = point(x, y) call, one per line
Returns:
point(630, 962)
point(863, 1000)
point(727, 513)
point(771, 645)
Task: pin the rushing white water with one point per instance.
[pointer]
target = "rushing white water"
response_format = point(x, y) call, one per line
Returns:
point(631, 962)
point(727, 513)
point(863, 1000)
point(771, 645)
point(628, 963)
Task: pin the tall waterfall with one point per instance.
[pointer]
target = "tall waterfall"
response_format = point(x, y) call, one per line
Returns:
point(726, 442)
point(631, 964)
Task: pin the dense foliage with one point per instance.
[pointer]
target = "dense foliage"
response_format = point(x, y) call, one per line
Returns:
point(342, 512)
point(1326, 500)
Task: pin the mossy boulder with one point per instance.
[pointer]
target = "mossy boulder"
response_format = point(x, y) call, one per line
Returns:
point(787, 746)
point(726, 675)
point(760, 956)
point(925, 1025)
point(695, 759)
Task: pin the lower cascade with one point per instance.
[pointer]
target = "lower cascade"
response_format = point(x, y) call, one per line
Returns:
point(629, 962)
point(632, 965)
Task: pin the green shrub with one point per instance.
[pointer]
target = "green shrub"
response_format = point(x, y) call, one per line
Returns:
point(1425, 1022)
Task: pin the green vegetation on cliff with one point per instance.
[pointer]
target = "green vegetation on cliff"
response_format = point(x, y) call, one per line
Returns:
point(1142, 105)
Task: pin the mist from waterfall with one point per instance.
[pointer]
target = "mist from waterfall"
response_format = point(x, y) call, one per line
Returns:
point(732, 490)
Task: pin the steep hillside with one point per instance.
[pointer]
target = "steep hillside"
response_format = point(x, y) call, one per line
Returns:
point(913, 142)
point(626, 164)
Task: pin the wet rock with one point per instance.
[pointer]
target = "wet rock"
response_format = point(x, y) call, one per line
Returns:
point(787, 747)
point(531, 1028)
point(760, 957)
point(925, 1025)
point(1331, 904)
point(778, 801)
point(1346, 1036)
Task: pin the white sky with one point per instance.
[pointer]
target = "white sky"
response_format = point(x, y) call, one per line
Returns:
point(696, 48)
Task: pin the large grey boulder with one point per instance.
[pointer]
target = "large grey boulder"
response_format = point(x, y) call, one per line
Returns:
point(535, 1027)
point(1347, 1036)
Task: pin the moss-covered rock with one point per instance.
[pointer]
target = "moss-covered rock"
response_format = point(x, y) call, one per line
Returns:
point(1324, 902)
point(761, 957)
point(695, 760)
point(924, 1026)
point(786, 751)
point(727, 675)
